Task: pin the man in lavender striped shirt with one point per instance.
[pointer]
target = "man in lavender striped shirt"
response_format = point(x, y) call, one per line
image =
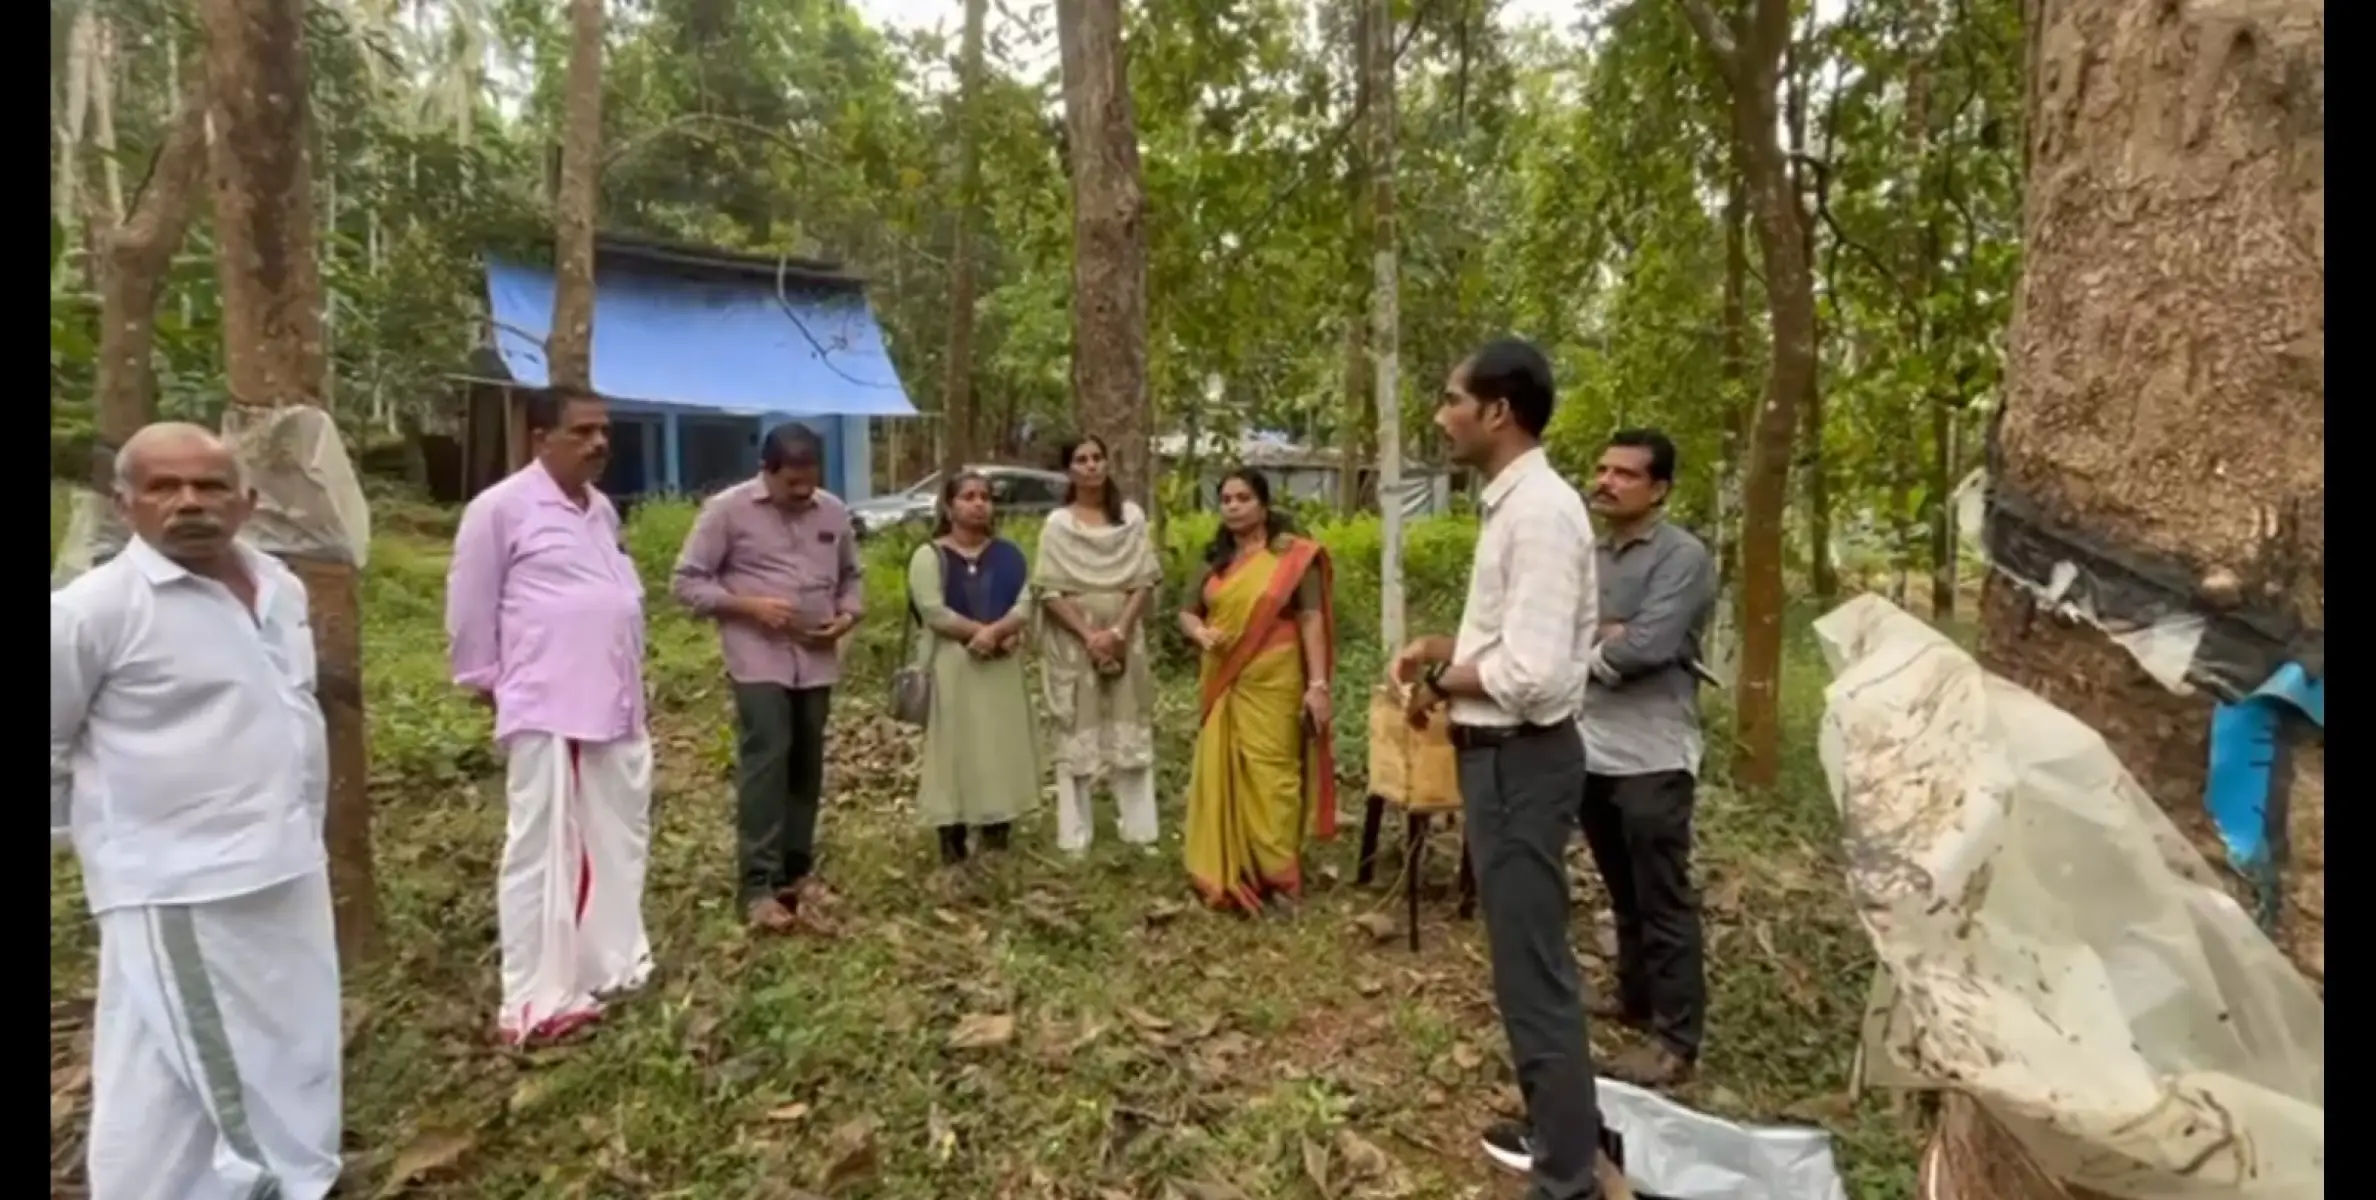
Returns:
point(545, 619)
point(774, 562)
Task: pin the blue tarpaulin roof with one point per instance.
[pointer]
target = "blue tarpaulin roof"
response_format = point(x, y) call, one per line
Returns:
point(722, 345)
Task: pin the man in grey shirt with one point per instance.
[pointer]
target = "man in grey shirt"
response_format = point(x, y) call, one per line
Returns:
point(1642, 747)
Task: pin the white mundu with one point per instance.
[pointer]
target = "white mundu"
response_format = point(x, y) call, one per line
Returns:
point(189, 766)
point(573, 868)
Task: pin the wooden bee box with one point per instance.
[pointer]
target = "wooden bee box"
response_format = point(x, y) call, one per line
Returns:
point(1415, 769)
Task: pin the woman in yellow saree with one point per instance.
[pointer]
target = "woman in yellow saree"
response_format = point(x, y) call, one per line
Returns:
point(1264, 772)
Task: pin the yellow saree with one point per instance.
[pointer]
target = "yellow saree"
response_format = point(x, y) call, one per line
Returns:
point(1259, 775)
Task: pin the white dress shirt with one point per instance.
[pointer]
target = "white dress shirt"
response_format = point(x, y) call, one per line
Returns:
point(1529, 620)
point(188, 758)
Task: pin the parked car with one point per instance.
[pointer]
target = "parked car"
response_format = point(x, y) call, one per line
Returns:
point(1017, 491)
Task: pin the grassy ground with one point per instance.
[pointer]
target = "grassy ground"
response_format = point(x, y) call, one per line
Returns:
point(1040, 1030)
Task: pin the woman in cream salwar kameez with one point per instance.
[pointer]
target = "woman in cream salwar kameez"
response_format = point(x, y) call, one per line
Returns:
point(1263, 772)
point(1095, 576)
point(969, 589)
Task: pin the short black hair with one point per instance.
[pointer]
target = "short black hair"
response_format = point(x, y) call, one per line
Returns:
point(1660, 446)
point(788, 444)
point(1512, 371)
point(544, 406)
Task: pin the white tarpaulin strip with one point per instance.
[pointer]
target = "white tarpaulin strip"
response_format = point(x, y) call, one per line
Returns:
point(1677, 1153)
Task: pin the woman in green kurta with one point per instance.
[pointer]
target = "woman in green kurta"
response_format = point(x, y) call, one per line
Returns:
point(970, 590)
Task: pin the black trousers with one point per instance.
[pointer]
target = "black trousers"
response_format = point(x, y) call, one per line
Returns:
point(780, 778)
point(1518, 797)
point(1639, 829)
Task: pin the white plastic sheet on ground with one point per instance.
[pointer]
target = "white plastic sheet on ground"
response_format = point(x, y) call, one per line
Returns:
point(1676, 1153)
point(2052, 945)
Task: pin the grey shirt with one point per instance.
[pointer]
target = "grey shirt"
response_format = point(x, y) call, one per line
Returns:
point(1641, 710)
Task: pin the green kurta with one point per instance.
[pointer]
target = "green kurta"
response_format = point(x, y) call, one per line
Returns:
point(981, 742)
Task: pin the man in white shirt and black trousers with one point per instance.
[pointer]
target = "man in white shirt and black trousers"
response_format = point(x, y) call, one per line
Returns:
point(1514, 680)
point(189, 765)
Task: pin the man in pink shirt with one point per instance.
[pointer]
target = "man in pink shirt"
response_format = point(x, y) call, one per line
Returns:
point(774, 562)
point(545, 616)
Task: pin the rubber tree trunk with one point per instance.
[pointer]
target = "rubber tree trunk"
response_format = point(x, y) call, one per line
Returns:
point(133, 261)
point(1823, 577)
point(1751, 66)
point(1735, 366)
point(1109, 299)
point(272, 351)
point(960, 444)
point(1385, 331)
point(1356, 427)
point(569, 344)
point(2165, 390)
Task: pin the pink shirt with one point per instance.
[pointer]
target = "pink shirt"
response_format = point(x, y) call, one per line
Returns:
point(544, 611)
point(744, 544)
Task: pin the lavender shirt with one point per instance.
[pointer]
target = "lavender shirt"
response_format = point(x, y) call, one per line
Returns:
point(544, 611)
point(744, 544)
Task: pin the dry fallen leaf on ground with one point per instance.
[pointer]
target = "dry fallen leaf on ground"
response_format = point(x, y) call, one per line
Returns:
point(428, 1154)
point(853, 1146)
point(1363, 1159)
point(982, 1031)
point(1315, 1165)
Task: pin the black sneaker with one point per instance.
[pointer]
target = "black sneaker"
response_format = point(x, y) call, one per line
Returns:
point(1509, 1144)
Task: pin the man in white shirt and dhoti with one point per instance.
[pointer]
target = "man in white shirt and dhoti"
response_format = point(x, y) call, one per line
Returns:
point(189, 767)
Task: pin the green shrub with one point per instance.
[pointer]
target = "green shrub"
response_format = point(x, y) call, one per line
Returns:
point(421, 727)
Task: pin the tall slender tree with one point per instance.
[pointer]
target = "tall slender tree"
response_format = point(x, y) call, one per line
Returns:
point(1749, 54)
point(569, 344)
point(958, 423)
point(255, 64)
point(1109, 294)
point(1385, 331)
point(132, 260)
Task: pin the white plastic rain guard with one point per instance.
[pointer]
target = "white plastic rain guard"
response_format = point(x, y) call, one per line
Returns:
point(309, 501)
point(2050, 943)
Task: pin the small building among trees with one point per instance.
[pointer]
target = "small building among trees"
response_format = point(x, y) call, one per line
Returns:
point(699, 351)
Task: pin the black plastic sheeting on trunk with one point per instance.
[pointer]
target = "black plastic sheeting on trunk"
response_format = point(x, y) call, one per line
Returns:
point(2124, 590)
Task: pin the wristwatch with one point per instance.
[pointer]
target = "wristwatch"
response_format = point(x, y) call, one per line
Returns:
point(1433, 679)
